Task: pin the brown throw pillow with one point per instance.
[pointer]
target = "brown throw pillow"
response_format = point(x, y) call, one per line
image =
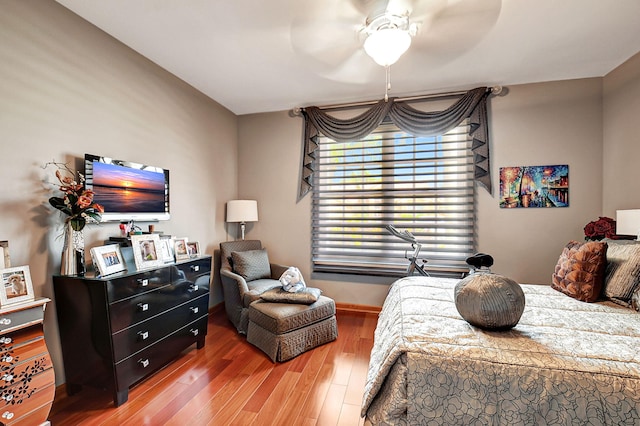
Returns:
point(580, 270)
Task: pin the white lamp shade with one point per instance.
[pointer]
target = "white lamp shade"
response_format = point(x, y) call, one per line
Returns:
point(628, 222)
point(386, 45)
point(242, 211)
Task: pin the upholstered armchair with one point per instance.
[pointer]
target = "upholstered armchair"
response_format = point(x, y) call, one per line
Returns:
point(245, 272)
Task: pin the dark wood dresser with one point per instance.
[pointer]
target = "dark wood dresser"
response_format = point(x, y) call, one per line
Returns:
point(117, 330)
point(27, 380)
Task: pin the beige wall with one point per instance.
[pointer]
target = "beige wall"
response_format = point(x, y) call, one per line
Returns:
point(533, 124)
point(621, 138)
point(66, 89)
point(537, 124)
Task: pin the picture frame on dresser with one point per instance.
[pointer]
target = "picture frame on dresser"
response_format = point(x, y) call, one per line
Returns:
point(166, 250)
point(193, 249)
point(146, 251)
point(4, 254)
point(180, 248)
point(16, 286)
point(108, 259)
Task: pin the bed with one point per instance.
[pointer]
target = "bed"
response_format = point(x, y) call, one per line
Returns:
point(565, 362)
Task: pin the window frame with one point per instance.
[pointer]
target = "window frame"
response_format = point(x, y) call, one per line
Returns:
point(387, 254)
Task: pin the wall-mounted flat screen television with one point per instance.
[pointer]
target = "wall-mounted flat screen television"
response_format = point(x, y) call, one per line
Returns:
point(127, 190)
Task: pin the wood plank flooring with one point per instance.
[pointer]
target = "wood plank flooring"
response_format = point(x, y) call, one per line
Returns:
point(230, 382)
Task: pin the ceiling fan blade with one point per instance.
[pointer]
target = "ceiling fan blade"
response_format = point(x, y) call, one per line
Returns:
point(456, 28)
point(330, 41)
point(370, 7)
point(415, 8)
point(425, 8)
point(357, 69)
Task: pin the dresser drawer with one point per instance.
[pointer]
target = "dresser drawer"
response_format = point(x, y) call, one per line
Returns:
point(145, 333)
point(142, 282)
point(21, 392)
point(26, 369)
point(18, 338)
point(35, 412)
point(143, 363)
point(197, 270)
point(24, 347)
point(10, 320)
point(128, 312)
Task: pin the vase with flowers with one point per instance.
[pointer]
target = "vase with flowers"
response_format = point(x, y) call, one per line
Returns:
point(77, 203)
point(604, 227)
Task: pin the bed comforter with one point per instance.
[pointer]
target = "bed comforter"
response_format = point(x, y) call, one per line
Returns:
point(566, 362)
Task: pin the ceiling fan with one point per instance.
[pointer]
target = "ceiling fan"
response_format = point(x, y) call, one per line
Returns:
point(333, 35)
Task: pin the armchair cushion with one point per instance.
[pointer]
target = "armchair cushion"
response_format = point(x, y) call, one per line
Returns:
point(251, 264)
point(256, 288)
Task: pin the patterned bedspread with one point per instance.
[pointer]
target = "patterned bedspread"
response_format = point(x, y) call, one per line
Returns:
point(566, 362)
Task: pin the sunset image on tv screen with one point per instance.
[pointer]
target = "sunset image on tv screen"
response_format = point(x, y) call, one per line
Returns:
point(124, 189)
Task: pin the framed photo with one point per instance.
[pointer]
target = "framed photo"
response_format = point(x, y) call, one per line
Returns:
point(16, 286)
point(193, 248)
point(180, 248)
point(5, 260)
point(146, 250)
point(108, 259)
point(166, 250)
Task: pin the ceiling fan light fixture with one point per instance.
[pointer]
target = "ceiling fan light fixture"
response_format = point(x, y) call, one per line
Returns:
point(386, 45)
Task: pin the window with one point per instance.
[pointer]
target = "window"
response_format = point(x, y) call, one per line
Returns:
point(422, 184)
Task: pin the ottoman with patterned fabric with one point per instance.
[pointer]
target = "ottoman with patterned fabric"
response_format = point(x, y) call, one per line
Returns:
point(285, 330)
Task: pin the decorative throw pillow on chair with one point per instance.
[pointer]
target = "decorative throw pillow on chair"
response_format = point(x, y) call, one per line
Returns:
point(306, 296)
point(251, 264)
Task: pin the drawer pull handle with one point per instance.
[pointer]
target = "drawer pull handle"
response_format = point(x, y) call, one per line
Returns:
point(193, 288)
point(7, 358)
point(5, 321)
point(5, 340)
point(195, 331)
point(144, 335)
point(143, 282)
point(7, 415)
point(7, 377)
point(7, 397)
point(195, 268)
point(143, 307)
point(144, 363)
point(194, 309)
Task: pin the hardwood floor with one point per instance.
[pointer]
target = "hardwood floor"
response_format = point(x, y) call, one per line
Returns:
point(230, 382)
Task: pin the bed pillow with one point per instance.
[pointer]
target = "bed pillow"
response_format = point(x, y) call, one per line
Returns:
point(306, 296)
point(251, 264)
point(635, 299)
point(623, 272)
point(580, 270)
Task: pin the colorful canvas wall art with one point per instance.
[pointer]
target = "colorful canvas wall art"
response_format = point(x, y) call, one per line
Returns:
point(534, 186)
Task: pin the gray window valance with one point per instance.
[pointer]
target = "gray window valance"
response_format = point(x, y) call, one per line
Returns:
point(472, 105)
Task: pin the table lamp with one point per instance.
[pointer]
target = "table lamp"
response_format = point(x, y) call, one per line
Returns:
point(242, 211)
point(628, 222)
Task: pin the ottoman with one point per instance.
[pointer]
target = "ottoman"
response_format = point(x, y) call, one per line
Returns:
point(285, 330)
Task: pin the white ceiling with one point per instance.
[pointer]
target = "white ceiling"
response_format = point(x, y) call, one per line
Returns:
point(270, 55)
